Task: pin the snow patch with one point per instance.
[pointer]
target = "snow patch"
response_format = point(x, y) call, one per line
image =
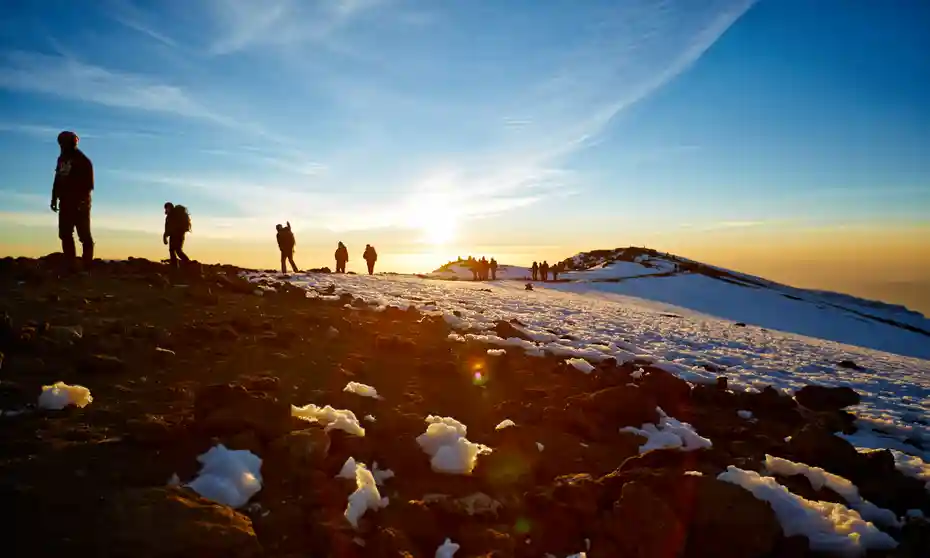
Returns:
point(828, 526)
point(362, 389)
point(820, 478)
point(746, 415)
point(330, 418)
point(447, 549)
point(506, 423)
point(229, 477)
point(497, 352)
point(366, 496)
point(581, 364)
point(669, 434)
point(912, 466)
point(348, 469)
point(59, 395)
point(450, 452)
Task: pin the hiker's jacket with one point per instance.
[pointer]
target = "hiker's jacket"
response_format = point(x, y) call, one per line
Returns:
point(74, 179)
point(286, 240)
point(176, 222)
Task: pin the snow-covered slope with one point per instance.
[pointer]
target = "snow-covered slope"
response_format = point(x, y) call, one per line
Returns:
point(595, 325)
point(740, 297)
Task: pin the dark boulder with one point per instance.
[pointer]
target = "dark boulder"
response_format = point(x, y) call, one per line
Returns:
point(222, 409)
point(168, 522)
point(613, 407)
point(506, 330)
point(822, 398)
point(671, 392)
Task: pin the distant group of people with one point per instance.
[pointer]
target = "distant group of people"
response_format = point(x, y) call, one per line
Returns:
point(71, 199)
point(541, 271)
point(482, 269)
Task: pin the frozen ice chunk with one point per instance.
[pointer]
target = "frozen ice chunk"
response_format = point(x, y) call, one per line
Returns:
point(59, 395)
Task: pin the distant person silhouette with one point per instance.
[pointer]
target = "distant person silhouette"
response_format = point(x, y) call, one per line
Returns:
point(473, 266)
point(493, 266)
point(556, 269)
point(483, 269)
point(286, 243)
point(71, 198)
point(370, 256)
point(544, 271)
point(177, 225)
point(342, 256)
point(535, 271)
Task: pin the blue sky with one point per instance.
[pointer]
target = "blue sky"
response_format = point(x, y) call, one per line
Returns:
point(428, 122)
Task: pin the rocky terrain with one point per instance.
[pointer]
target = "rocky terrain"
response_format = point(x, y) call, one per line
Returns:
point(178, 363)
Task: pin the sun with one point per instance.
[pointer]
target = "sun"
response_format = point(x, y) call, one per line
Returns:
point(438, 231)
point(437, 222)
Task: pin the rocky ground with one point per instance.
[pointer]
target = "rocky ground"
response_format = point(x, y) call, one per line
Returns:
point(179, 363)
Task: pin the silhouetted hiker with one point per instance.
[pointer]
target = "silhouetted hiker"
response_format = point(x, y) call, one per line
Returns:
point(370, 256)
point(473, 265)
point(342, 256)
point(71, 194)
point(493, 265)
point(535, 270)
point(556, 269)
point(286, 243)
point(483, 269)
point(544, 270)
point(177, 225)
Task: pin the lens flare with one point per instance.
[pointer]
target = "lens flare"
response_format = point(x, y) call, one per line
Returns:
point(479, 372)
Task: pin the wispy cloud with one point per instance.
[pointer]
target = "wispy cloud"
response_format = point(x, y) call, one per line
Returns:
point(128, 14)
point(70, 78)
point(727, 225)
point(49, 133)
point(34, 130)
point(242, 24)
point(739, 224)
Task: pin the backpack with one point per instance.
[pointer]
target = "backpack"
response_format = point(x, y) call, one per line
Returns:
point(181, 219)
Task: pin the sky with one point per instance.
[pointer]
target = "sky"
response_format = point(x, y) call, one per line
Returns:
point(786, 138)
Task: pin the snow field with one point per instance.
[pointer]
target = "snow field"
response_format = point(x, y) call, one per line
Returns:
point(592, 326)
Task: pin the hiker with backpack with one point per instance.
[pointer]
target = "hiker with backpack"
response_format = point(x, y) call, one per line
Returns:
point(286, 243)
point(177, 225)
point(71, 195)
point(370, 256)
point(342, 257)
